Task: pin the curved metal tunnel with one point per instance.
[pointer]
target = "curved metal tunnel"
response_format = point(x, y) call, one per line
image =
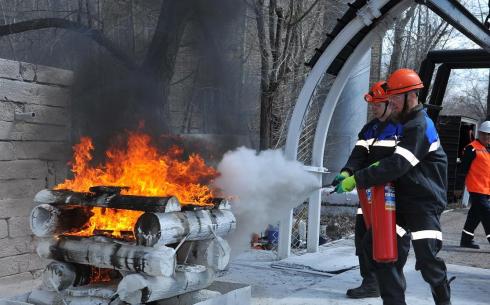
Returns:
point(337, 59)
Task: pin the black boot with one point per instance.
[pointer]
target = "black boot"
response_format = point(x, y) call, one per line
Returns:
point(368, 289)
point(442, 293)
point(467, 241)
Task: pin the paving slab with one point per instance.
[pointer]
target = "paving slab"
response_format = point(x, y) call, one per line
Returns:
point(297, 285)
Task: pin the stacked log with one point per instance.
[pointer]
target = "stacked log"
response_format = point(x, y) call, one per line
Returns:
point(138, 288)
point(214, 253)
point(108, 200)
point(159, 261)
point(59, 275)
point(168, 228)
point(47, 220)
point(177, 249)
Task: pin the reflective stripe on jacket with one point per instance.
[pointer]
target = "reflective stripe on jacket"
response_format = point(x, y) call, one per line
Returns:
point(376, 140)
point(418, 167)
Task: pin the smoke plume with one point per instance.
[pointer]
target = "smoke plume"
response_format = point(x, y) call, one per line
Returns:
point(264, 187)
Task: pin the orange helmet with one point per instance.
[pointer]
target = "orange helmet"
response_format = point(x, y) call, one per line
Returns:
point(377, 94)
point(403, 80)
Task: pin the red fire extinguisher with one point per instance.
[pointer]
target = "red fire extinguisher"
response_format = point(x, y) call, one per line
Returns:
point(365, 201)
point(384, 223)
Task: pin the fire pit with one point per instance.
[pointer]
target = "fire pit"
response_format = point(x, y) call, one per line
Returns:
point(119, 245)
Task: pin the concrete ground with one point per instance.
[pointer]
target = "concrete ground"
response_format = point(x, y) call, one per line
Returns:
point(312, 279)
point(309, 279)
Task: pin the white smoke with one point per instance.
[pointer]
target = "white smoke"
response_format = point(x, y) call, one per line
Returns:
point(264, 188)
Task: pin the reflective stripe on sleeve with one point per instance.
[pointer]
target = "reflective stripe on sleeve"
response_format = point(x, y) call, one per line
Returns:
point(400, 231)
point(363, 143)
point(408, 155)
point(431, 234)
point(359, 211)
point(385, 143)
point(434, 146)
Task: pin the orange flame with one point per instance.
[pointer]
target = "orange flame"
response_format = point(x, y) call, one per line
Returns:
point(109, 223)
point(102, 275)
point(145, 170)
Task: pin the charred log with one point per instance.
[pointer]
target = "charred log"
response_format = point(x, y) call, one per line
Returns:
point(47, 220)
point(216, 203)
point(137, 288)
point(107, 199)
point(58, 276)
point(105, 291)
point(169, 228)
point(88, 295)
point(42, 297)
point(110, 254)
point(213, 253)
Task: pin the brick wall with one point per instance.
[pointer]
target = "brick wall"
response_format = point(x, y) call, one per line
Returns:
point(33, 155)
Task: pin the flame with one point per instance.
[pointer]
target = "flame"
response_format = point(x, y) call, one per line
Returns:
point(109, 222)
point(101, 275)
point(145, 170)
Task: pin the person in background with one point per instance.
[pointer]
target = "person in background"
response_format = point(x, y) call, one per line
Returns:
point(475, 165)
point(376, 140)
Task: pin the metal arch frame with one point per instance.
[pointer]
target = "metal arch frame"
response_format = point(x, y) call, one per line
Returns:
point(365, 17)
point(371, 12)
point(458, 16)
point(328, 109)
point(440, 85)
point(449, 60)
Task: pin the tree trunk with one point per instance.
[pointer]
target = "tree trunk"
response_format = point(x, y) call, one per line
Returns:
point(398, 39)
point(266, 119)
point(159, 63)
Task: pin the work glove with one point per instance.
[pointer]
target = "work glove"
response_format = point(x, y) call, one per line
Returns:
point(340, 177)
point(347, 185)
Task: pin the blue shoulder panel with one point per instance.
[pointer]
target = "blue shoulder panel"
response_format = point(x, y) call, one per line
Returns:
point(390, 131)
point(430, 129)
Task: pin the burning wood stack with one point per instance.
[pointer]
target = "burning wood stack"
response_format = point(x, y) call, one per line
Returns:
point(167, 250)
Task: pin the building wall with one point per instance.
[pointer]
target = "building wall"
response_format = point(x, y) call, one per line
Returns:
point(33, 155)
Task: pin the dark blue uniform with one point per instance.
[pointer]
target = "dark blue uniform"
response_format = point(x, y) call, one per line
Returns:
point(376, 140)
point(418, 168)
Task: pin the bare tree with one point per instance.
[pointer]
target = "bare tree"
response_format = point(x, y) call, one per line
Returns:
point(417, 32)
point(399, 37)
point(286, 31)
point(470, 98)
point(89, 18)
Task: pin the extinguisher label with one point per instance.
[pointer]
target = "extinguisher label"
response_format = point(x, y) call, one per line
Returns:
point(369, 195)
point(389, 197)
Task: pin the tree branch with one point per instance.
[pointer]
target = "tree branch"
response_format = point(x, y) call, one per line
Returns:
point(305, 13)
point(95, 35)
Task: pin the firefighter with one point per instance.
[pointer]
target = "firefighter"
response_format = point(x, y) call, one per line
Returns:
point(418, 169)
point(376, 140)
point(475, 166)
